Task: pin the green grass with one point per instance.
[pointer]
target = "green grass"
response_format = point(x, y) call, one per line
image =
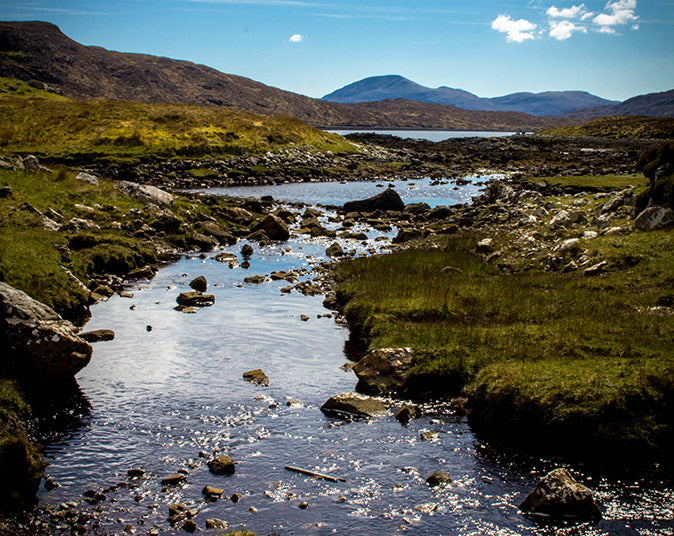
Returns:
point(551, 348)
point(631, 126)
point(595, 183)
point(85, 131)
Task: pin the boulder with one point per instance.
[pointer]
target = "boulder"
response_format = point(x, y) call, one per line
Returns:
point(87, 178)
point(98, 335)
point(5, 192)
point(195, 299)
point(353, 406)
point(334, 250)
point(247, 250)
point(486, 245)
point(654, 218)
point(37, 343)
point(203, 242)
point(144, 272)
point(438, 478)
point(407, 413)
point(273, 227)
point(146, 194)
point(407, 234)
point(222, 465)
point(216, 231)
point(31, 163)
point(417, 208)
point(383, 370)
point(558, 494)
point(560, 219)
point(200, 284)
point(257, 377)
point(387, 200)
point(167, 221)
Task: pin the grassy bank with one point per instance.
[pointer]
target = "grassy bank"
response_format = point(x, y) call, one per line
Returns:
point(552, 360)
point(60, 129)
point(628, 126)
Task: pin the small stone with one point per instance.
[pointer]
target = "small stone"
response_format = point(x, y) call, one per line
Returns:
point(438, 478)
point(408, 412)
point(235, 498)
point(190, 526)
point(135, 473)
point(222, 465)
point(50, 484)
point(148, 328)
point(303, 505)
point(334, 250)
point(98, 335)
point(485, 245)
point(212, 492)
point(214, 523)
point(429, 435)
point(304, 318)
point(247, 250)
point(596, 269)
point(195, 299)
point(426, 508)
point(257, 377)
point(173, 480)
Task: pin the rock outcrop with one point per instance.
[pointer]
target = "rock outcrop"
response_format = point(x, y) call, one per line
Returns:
point(38, 345)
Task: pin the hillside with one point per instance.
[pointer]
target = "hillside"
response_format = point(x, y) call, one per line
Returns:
point(549, 103)
point(40, 52)
point(652, 104)
point(637, 127)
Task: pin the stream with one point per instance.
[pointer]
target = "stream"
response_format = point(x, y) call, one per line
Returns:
point(167, 394)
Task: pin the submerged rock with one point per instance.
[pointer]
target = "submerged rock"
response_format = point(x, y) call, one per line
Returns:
point(353, 405)
point(383, 370)
point(37, 343)
point(558, 494)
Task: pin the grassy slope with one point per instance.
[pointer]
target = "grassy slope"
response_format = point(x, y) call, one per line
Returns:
point(56, 128)
point(571, 357)
point(619, 127)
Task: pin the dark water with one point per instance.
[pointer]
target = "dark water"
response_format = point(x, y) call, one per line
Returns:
point(431, 135)
point(159, 398)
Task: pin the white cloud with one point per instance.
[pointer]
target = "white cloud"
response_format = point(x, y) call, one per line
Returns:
point(619, 13)
point(296, 38)
point(516, 31)
point(562, 30)
point(566, 13)
point(587, 15)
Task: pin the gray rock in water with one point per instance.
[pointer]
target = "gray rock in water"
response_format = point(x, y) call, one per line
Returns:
point(383, 370)
point(257, 377)
point(353, 405)
point(438, 478)
point(654, 218)
point(145, 193)
point(98, 335)
point(387, 200)
point(558, 494)
point(199, 283)
point(222, 465)
point(37, 343)
point(195, 299)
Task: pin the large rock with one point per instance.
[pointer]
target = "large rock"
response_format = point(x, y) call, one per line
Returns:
point(383, 370)
point(37, 343)
point(145, 193)
point(195, 299)
point(558, 494)
point(353, 405)
point(387, 200)
point(273, 227)
point(222, 465)
point(654, 218)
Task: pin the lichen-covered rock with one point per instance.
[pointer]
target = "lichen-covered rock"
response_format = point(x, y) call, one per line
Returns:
point(353, 405)
point(383, 370)
point(146, 193)
point(37, 343)
point(558, 494)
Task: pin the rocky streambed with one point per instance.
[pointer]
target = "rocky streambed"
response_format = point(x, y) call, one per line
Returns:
point(172, 393)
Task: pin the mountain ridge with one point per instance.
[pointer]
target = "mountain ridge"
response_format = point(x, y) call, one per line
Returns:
point(40, 52)
point(546, 104)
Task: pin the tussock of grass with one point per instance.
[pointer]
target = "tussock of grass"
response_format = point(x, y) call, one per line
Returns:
point(84, 131)
point(561, 349)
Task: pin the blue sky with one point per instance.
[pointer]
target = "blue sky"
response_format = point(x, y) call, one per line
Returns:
point(615, 49)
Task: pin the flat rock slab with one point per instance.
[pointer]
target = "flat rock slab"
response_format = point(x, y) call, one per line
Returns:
point(353, 406)
point(558, 494)
point(173, 480)
point(98, 335)
point(195, 299)
point(383, 370)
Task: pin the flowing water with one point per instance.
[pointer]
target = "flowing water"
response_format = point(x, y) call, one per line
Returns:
point(167, 394)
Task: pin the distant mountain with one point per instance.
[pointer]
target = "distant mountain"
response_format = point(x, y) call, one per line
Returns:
point(548, 104)
point(652, 105)
point(41, 53)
